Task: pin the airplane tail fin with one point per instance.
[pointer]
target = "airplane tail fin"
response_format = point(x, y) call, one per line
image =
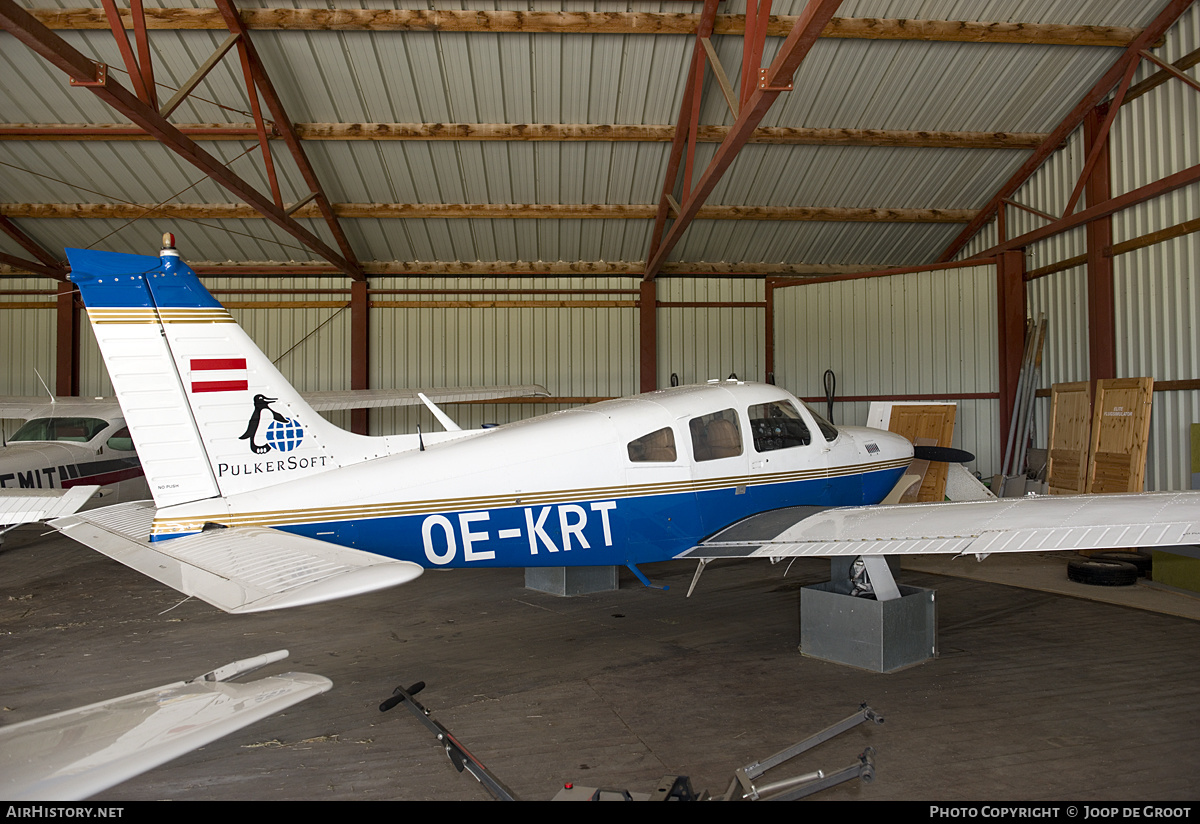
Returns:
point(210, 414)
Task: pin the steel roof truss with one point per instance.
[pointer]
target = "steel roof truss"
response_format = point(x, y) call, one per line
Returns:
point(287, 130)
point(198, 75)
point(752, 109)
point(49, 265)
point(84, 71)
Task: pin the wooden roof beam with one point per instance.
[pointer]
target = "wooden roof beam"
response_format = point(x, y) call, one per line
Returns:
point(539, 132)
point(488, 269)
point(1165, 19)
point(508, 211)
point(292, 19)
point(95, 78)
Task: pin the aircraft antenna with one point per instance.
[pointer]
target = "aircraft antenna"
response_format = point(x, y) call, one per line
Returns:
point(43, 382)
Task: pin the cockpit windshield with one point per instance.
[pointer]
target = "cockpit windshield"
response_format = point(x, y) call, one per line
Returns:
point(827, 429)
point(76, 430)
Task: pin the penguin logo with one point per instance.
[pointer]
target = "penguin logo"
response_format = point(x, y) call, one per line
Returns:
point(267, 428)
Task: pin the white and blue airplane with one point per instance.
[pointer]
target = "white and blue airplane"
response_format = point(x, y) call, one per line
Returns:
point(259, 503)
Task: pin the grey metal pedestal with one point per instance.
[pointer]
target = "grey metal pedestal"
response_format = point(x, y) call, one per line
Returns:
point(565, 581)
point(881, 636)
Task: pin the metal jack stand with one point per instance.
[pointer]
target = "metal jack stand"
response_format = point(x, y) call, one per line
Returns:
point(456, 752)
point(743, 788)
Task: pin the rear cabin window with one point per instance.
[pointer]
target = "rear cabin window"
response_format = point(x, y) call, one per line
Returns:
point(716, 436)
point(777, 425)
point(657, 447)
point(120, 441)
point(77, 430)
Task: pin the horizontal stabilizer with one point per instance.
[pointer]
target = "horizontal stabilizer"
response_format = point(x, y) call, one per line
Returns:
point(378, 398)
point(242, 569)
point(74, 754)
point(1034, 524)
point(27, 506)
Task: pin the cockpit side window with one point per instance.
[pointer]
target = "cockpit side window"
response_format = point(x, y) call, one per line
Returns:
point(658, 446)
point(777, 425)
point(76, 430)
point(827, 429)
point(120, 441)
point(716, 436)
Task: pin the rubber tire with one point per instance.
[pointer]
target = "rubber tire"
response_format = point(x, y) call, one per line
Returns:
point(1102, 573)
point(1140, 560)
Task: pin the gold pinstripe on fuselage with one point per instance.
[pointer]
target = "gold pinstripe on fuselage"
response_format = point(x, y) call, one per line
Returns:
point(287, 517)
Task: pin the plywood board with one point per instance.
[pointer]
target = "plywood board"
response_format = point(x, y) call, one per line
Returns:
point(933, 421)
point(1070, 437)
point(1120, 435)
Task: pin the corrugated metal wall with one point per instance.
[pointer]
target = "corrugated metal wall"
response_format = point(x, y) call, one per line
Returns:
point(699, 343)
point(911, 334)
point(1156, 288)
point(577, 351)
point(27, 337)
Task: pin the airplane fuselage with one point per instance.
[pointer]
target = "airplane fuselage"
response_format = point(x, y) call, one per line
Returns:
point(74, 446)
point(629, 481)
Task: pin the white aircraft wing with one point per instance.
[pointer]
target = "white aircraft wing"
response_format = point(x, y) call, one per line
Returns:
point(1033, 524)
point(74, 754)
point(241, 569)
point(25, 407)
point(376, 398)
point(26, 506)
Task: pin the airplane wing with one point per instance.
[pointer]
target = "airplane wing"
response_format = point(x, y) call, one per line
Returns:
point(26, 506)
point(240, 569)
point(25, 407)
point(376, 398)
point(71, 755)
point(21, 407)
point(1032, 524)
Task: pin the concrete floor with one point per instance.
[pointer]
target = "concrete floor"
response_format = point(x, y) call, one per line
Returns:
point(1035, 696)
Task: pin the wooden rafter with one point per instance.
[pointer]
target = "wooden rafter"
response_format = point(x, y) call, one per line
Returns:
point(958, 31)
point(526, 211)
point(550, 132)
point(488, 269)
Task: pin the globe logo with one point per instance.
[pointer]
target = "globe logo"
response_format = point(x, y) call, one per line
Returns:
point(285, 435)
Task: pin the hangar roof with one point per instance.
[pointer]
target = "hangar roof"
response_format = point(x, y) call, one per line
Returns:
point(535, 136)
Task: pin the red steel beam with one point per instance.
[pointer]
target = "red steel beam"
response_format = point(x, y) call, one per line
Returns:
point(648, 336)
point(1151, 190)
point(30, 266)
point(1165, 19)
point(79, 68)
point(49, 265)
point(143, 46)
point(122, 39)
point(360, 351)
point(1097, 139)
point(703, 29)
point(66, 349)
point(1102, 312)
point(1010, 308)
point(288, 131)
point(795, 48)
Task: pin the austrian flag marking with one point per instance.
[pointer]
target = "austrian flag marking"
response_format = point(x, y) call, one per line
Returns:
point(219, 375)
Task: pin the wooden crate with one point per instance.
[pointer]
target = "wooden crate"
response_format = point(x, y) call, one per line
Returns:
point(1070, 437)
point(1120, 435)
